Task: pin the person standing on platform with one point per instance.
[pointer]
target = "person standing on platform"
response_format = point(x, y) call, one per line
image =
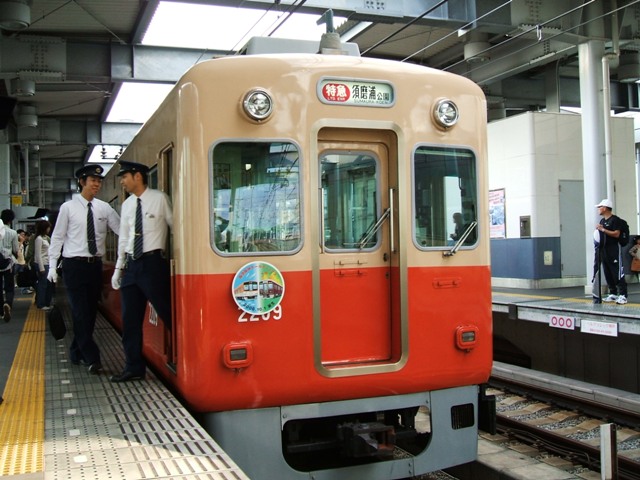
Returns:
point(9, 245)
point(43, 286)
point(81, 228)
point(609, 254)
point(142, 270)
point(20, 262)
point(459, 227)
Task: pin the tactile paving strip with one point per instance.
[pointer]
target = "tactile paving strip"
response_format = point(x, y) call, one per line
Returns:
point(22, 416)
point(132, 430)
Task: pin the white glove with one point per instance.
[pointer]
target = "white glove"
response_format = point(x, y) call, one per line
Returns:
point(53, 275)
point(115, 280)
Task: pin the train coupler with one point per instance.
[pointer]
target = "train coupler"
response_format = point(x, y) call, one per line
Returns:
point(366, 439)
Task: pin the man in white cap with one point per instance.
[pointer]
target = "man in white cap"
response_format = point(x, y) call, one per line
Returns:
point(609, 253)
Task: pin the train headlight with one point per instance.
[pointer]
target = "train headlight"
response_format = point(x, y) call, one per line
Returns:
point(445, 113)
point(466, 337)
point(258, 104)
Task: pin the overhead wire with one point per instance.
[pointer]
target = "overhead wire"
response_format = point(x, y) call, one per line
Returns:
point(537, 28)
point(234, 50)
point(471, 23)
point(562, 32)
point(388, 37)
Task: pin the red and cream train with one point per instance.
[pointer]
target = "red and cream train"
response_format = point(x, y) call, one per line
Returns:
point(325, 316)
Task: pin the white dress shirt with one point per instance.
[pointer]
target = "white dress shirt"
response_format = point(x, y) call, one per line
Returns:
point(9, 244)
point(41, 252)
point(156, 217)
point(71, 228)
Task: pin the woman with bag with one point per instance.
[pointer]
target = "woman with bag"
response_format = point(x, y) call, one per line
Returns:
point(634, 251)
point(41, 257)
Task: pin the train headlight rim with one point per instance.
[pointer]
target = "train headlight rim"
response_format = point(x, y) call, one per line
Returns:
point(467, 337)
point(446, 113)
point(258, 104)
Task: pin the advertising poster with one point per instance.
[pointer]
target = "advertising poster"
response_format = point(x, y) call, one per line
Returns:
point(496, 212)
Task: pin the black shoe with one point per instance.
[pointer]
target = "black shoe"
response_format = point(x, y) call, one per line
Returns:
point(7, 312)
point(126, 377)
point(95, 368)
point(79, 362)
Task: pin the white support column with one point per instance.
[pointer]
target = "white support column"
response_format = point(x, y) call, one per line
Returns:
point(5, 176)
point(27, 195)
point(593, 142)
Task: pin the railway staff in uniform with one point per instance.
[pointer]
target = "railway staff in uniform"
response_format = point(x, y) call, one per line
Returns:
point(142, 270)
point(81, 228)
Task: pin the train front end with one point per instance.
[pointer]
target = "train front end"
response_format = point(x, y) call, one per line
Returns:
point(332, 319)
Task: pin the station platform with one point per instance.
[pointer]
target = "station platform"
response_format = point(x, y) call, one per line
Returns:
point(541, 305)
point(58, 422)
point(562, 332)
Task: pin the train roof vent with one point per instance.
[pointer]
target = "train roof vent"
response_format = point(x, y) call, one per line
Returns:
point(266, 45)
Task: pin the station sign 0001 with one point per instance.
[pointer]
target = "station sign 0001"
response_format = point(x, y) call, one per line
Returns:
point(559, 321)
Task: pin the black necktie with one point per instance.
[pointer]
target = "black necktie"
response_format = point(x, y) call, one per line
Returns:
point(91, 231)
point(138, 240)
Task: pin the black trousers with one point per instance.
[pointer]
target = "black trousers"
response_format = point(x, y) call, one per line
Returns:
point(83, 281)
point(144, 280)
point(614, 275)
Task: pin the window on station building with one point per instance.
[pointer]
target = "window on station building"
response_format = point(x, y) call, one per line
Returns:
point(256, 198)
point(445, 196)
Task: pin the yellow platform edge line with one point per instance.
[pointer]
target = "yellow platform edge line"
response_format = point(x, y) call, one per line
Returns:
point(22, 413)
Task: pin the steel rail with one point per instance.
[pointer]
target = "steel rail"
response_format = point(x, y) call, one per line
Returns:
point(574, 449)
point(579, 451)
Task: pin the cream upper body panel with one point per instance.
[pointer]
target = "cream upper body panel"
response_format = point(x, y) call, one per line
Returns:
point(205, 107)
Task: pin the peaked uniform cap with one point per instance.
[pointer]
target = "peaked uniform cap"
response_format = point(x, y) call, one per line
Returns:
point(132, 167)
point(91, 170)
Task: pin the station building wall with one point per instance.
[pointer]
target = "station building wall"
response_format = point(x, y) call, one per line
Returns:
point(530, 156)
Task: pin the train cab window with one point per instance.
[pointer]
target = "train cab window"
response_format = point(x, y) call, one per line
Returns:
point(350, 200)
point(256, 198)
point(445, 197)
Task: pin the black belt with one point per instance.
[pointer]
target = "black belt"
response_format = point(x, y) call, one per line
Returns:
point(158, 251)
point(85, 259)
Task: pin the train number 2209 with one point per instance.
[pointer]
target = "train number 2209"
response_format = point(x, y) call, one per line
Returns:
point(247, 317)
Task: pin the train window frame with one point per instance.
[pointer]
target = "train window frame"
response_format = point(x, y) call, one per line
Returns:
point(264, 248)
point(372, 246)
point(468, 208)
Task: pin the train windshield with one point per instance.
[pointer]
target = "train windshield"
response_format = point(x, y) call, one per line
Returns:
point(256, 198)
point(350, 199)
point(445, 196)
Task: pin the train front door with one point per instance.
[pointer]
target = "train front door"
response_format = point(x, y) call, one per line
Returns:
point(356, 255)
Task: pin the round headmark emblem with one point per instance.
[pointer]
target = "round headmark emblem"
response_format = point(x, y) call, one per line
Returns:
point(258, 287)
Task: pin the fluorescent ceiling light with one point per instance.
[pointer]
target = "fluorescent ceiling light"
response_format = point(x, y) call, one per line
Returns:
point(105, 155)
point(137, 101)
point(188, 25)
point(213, 27)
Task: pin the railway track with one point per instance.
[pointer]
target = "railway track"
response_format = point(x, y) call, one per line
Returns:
point(565, 425)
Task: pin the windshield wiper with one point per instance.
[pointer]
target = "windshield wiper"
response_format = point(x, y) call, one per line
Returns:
point(373, 229)
point(461, 240)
